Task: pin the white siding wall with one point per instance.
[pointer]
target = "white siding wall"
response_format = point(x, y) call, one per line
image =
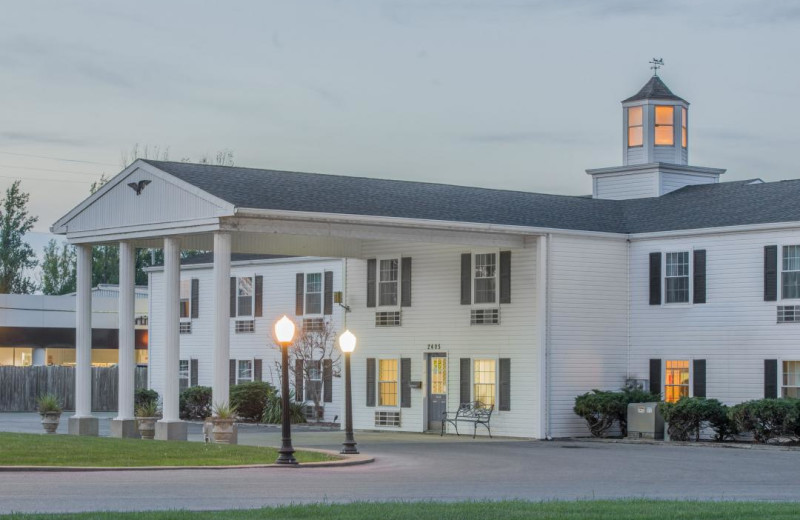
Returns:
point(631, 186)
point(279, 299)
point(735, 331)
point(437, 317)
point(674, 181)
point(588, 324)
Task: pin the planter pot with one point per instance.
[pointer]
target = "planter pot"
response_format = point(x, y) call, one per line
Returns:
point(50, 421)
point(147, 427)
point(223, 431)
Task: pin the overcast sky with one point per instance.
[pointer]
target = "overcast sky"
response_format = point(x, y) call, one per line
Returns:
point(506, 94)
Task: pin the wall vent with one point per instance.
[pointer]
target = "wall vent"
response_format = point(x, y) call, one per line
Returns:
point(484, 317)
point(185, 327)
point(385, 418)
point(245, 326)
point(387, 319)
point(313, 324)
point(788, 313)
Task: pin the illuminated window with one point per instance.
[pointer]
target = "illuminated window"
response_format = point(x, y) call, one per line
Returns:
point(244, 296)
point(387, 382)
point(314, 293)
point(791, 379)
point(676, 280)
point(790, 275)
point(634, 126)
point(486, 278)
point(439, 375)
point(684, 138)
point(676, 382)
point(664, 131)
point(186, 292)
point(484, 388)
point(387, 282)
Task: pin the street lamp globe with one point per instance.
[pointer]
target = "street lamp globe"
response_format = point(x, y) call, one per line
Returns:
point(347, 342)
point(284, 330)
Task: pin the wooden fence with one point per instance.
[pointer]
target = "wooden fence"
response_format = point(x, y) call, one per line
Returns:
point(20, 386)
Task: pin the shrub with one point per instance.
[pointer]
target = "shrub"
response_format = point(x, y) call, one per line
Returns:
point(250, 399)
point(48, 403)
point(767, 419)
point(690, 415)
point(144, 396)
point(272, 412)
point(195, 403)
point(147, 409)
point(601, 409)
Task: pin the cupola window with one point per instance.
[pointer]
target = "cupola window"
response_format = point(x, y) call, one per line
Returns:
point(634, 126)
point(664, 132)
point(684, 138)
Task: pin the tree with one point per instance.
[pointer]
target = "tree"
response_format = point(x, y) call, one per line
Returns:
point(58, 268)
point(16, 255)
point(313, 349)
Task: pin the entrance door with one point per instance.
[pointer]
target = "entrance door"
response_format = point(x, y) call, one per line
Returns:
point(437, 390)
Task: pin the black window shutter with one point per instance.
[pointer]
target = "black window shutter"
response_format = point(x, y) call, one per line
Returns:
point(257, 372)
point(372, 266)
point(298, 380)
point(259, 307)
point(770, 273)
point(327, 380)
point(504, 396)
point(699, 375)
point(232, 372)
point(233, 296)
point(299, 291)
point(405, 382)
point(328, 294)
point(699, 276)
point(465, 394)
point(655, 278)
point(655, 376)
point(466, 279)
point(370, 381)
point(195, 298)
point(505, 276)
point(193, 372)
point(405, 277)
point(770, 378)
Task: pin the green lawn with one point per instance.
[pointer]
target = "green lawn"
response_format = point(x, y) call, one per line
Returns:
point(25, 449)
point(599, 510)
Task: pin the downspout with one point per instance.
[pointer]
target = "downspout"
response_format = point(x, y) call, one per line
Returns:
point(543, 320)
point(628, 307)
point(547, 338)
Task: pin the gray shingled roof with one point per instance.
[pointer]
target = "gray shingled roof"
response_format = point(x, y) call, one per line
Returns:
point(654, 89)
point(692, 207)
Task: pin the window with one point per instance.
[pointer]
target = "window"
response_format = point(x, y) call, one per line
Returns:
point(684, 135)
point(634, 126)
point(186, 294)
point(244, 296)
point(485, 377)
point(314, 382)
point(485, 285)
point(676, 382)
point(387, 382)
point(244, 373)
point(676, 279)
point(664, 133)
point(183, 374)
point(314, 293)
point(790, 275)
point(388, 278)
point(791, 379)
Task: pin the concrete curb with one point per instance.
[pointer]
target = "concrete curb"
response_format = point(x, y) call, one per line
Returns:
point(347, 460)
point(701, 444)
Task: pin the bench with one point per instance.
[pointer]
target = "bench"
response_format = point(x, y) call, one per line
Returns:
point(474, 412)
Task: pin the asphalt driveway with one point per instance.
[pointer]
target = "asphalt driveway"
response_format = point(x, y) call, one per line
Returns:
point(422, 467)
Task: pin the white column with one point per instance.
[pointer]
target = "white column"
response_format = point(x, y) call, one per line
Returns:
point(127, 334)
point(82, 422)
point(222, 294)
point(172, 280)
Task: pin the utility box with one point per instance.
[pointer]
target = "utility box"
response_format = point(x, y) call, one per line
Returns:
point(645, 421)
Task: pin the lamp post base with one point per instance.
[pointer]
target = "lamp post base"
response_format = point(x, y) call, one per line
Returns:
point(349, 448)
point(286, 456)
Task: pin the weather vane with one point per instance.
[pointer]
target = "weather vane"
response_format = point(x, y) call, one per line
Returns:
point(655, 64)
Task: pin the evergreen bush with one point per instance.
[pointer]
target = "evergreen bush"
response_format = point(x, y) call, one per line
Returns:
point(690, 415)
point(195, 403)
point(250, 399)
point(602, 409)
point(145, 397)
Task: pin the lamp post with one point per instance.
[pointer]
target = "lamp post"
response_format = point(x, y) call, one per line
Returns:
point(284, 332)
point(347, 342)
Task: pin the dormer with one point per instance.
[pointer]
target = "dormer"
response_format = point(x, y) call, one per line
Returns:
point(656, 126)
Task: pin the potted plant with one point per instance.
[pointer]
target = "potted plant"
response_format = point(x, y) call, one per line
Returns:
point(50, 410)
point(223, 418)
point(146, 417)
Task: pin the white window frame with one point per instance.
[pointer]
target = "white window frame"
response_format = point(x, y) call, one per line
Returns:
point(250, 316)
point(378, 383)
point(496, 377)
point(321, 294)
point(378, 261)
point(688, 359)
point(496, 303)
point(690, 271)
point(252, 370)
point(307, 380)
point(782, 373)
point(781, 271)
point(188, 316)
point(628, 126)
point(188, 372)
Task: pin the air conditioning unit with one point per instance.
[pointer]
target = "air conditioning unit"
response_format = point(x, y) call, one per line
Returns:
point(637, 384)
